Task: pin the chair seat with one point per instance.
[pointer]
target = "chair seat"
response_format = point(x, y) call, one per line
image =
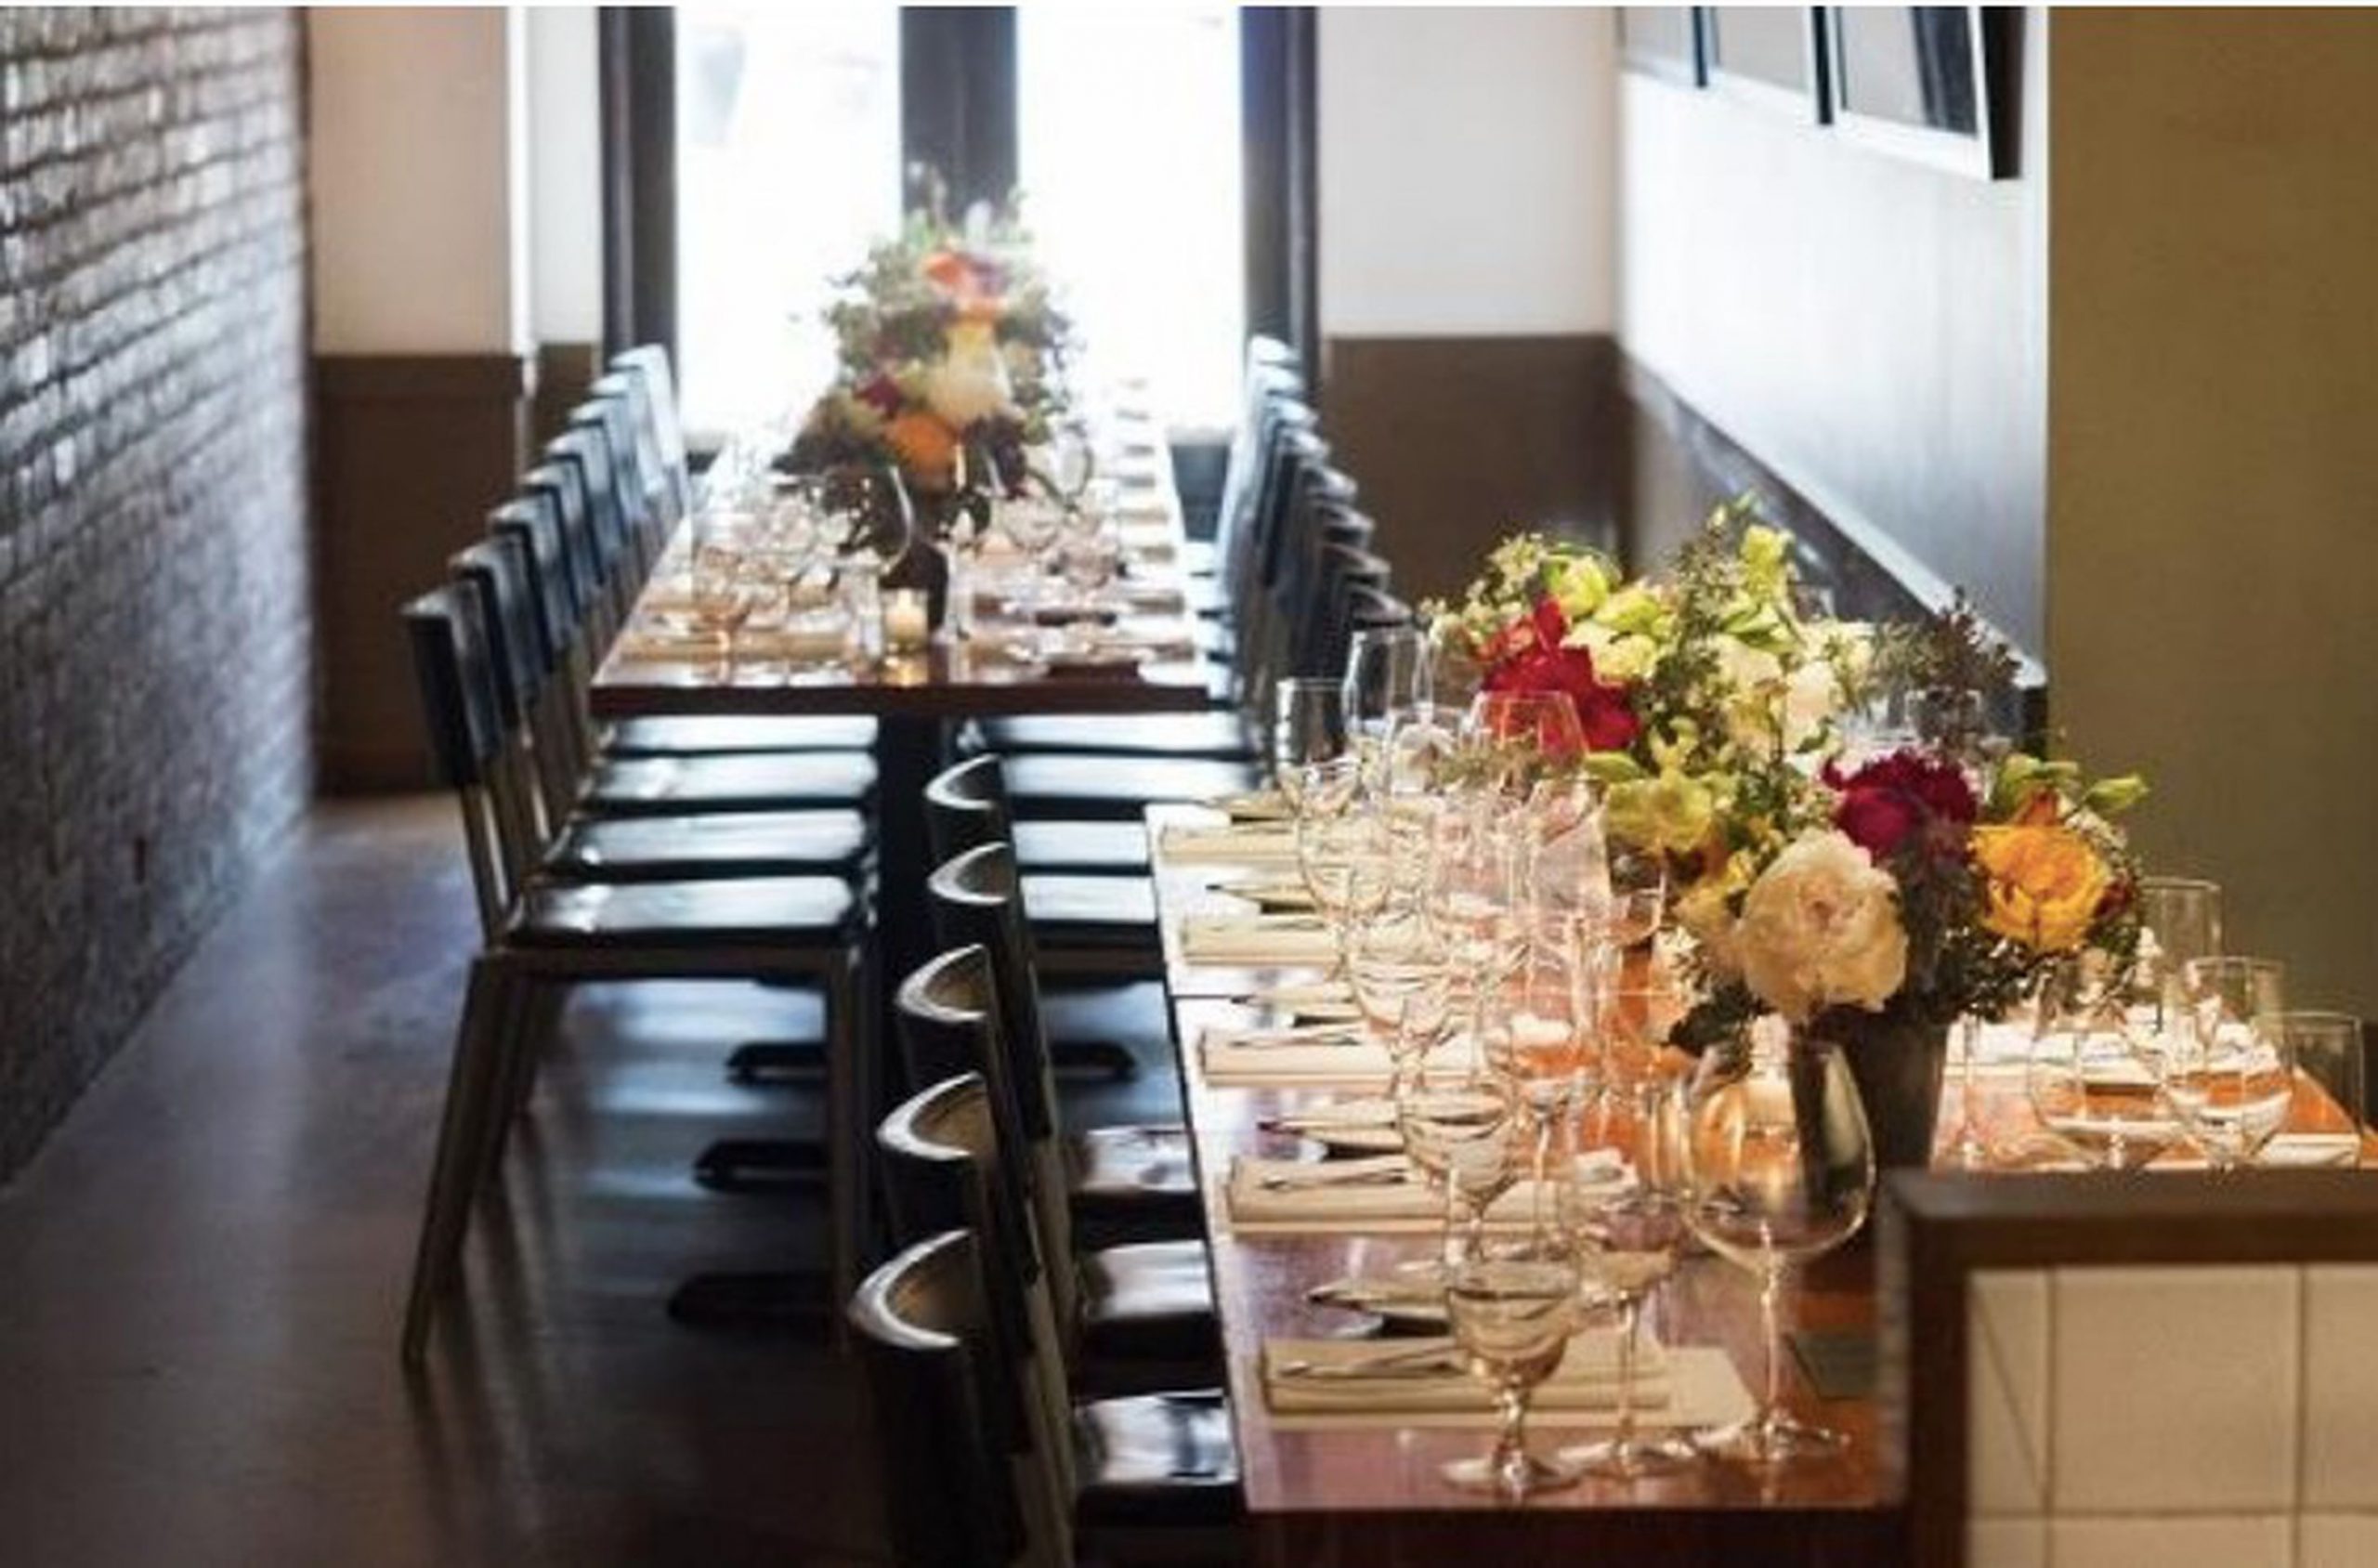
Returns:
point(1142, 1175)
point(1152, 1301)
point(1162, 1459)
point(1068, 784)
point(1219, 734)
point(681, 735)
point(758, 911)
point(1081, 846)
point(759, 781)
point(726, 843)
point(1199, 557)
point(1107, 913)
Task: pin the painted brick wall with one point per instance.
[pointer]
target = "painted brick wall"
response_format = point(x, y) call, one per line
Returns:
point(156, 664)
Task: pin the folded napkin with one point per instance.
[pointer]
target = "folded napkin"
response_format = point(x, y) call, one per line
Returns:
point(1286, 1058)
point(1429, 1375)
point(1257, 940)
point(1283, 895)
point(1365, 1122)
point(1308, 999)
point(1253, 806)
point(1185, 845)
point(751, 643)
point(2307, 1150)
point(1379, 1196)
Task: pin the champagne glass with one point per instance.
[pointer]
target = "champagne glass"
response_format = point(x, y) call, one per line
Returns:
point(1778, 1171)
point(2093, 1078)
point(1632, 1241)
point(1512, 1318)
point(1308, 727)
point(1463, 1139)
point(2230, 1069)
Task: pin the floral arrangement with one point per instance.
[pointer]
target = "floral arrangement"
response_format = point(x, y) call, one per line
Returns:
point(950, 356)
point(1851, 890)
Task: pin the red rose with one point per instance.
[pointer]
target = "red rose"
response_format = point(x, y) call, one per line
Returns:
point(1603, 713)
point(882, 394)
point(1897, 797)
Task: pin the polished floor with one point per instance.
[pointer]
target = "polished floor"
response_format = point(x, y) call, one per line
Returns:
point(200, 1275)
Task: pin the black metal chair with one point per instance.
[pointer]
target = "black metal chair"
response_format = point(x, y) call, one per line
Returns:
point(1134, 1181)
point(542, 934)
point(1080, 922)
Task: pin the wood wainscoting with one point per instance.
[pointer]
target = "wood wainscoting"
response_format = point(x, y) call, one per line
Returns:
point(409, 452)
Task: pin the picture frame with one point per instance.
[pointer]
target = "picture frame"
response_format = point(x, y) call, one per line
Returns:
point(1663, 42)
point(1773, 56)
point(1926, 82)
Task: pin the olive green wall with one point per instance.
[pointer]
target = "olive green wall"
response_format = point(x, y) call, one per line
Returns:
point(2212, 412)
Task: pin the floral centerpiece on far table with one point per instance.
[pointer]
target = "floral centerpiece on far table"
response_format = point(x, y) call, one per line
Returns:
point(950, 364)
point(1870, 896)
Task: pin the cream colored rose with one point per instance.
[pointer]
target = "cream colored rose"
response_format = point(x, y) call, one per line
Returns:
point(970, 382)
point(1820, 929)
point(1811, 697)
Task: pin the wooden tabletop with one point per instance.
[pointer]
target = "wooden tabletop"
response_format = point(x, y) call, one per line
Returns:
point(956, 677)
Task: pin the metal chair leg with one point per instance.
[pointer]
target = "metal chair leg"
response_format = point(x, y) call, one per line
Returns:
point(470, 1091)
point(527, 1024)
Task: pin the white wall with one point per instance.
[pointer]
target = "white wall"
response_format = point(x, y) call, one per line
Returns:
point(565, 176)
point(1466, 170)
point(415, 180)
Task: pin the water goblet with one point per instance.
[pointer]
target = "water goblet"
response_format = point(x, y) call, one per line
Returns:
point(2230, 1071)
point(1462, 1139)
point(1778, 1169)
point(1513, 1318)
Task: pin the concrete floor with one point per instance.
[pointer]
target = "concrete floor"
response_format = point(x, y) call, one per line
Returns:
point(201, 1275)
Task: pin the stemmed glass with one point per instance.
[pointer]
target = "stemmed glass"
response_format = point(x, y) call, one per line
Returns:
point(1032, 524)
point(1463, 1140)
point(2180, 921)
point(1779, 1170)
point(1632, 1234)
point(1307, 728)
point(1473, 897)
point(2230, 1069)
point(723, 593)
point(1540, 1038)
point(1521, 734)
point(1387, 675)
point(2095, 1074)
point(1639, 896)
point(1512, 1318)
point(1343, 850)
point(1402, 982)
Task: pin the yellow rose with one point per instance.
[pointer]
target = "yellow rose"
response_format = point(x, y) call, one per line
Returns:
point(2044, 883)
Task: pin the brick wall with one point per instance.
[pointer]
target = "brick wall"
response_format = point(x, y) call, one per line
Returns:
point(156, 664)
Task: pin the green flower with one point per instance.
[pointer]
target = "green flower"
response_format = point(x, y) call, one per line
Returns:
point(1578, 585)
point(1671, 813)
point(1632, 609)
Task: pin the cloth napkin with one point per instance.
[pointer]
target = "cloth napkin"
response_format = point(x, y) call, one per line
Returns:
point(1254, 806)
point(1365, 1122)
point(1306, 1054)
point(1585, 1379)
point(1185, 845)
point(751, 643)
point(1256, 939)
point(1280, 893)
point(1378, 1207)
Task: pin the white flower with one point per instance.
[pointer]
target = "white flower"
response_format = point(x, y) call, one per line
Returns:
point(970, 382)
point(1810, 695)
point(1820, 929)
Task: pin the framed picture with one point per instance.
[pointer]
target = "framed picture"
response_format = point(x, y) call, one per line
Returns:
point(1924, 82)
point(1663, 41)
point(1767, 54)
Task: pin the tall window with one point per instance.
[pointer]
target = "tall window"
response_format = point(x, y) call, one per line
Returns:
point(787, 166)
point(789, 160)
point(1131, 171)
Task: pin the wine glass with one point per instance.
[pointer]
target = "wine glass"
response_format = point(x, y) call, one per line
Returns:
point(1778, 1171)
point(1307, 728)
point(1402, 982)
point(2094, 1078)
point(722, 593)
point(1386, 674)
point(1473, 897)
point(2180, 921)
point(1512, 1318)
point(1539, 1037)
point(1463, 1140)
point(2230, 1069)
point(1631, 1235)
point(1343, 852)
point(1087, 560)
point(1032, 525)
point(1519, 734)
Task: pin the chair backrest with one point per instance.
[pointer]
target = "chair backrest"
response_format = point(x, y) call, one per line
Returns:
point(966, 808)
point(919, 1325)
point(562, 484)
point(587, 445)
point(514, 644)
point(533, 522)
point(648, 362)
point(661, 481)
point(974, 900)
point(452, 668)
point(645, 492)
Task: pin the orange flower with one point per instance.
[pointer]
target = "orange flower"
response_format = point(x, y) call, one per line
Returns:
point(927, 448)
point(2044, 883)
point(950, 271)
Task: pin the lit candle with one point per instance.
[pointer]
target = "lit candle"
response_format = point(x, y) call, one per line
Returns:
point(906, 628)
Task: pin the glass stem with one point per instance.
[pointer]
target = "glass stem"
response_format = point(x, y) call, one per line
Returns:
point(1630, 1317)
point(1770, 1290)
point(1455, 1247)
point(1511, 1437)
